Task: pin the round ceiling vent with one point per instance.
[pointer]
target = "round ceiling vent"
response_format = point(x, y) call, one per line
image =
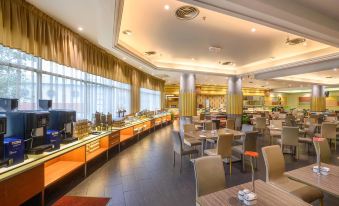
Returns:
point(187, 12)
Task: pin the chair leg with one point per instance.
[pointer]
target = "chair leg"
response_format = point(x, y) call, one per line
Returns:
point(180, 163)
point(173, 159)
point(230, 161)
point(321, 201)
point(243, 162)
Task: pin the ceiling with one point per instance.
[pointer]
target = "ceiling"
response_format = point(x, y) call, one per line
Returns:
point(327, 77)
point(183, 46)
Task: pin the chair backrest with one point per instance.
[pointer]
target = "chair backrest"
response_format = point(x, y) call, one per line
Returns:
point(274, 162)
point(247, 128)
point(177, 142)
point(208, 125)
point(209, 175)
point(325, 151)
point(224, 145)
point(276, 123)
point(282, 115)
point(202, 116)
point(230, 124)
point(250, 141)
point(189, 127)
point(195, 118)
point(289, 136)
point(329, 130)
point(216, 123)
point(331, 118)
point(260, 123)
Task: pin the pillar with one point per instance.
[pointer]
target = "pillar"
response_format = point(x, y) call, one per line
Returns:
point(235, 99)
point(188, 98)
point(318, 98)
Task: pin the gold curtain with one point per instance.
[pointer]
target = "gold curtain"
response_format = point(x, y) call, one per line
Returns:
point(28, 29)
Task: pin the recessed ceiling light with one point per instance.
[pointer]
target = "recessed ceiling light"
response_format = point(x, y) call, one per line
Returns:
point(253, 30)
point(127, 32)
point(193, 59)
point(167, 7)
point(329, 77)
point(335, 69)
point(124, 58)
point(80, 28)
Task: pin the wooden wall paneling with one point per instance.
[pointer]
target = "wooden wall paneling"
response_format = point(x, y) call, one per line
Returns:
point(22, 187)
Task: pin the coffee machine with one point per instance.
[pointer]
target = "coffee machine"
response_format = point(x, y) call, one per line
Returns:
point(62, 121)
point(31, 126)
point(3, 160)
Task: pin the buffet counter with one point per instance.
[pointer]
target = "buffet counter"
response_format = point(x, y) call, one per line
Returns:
point(20, 182)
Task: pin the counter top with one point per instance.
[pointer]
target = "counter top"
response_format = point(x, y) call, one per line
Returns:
point(35, 160)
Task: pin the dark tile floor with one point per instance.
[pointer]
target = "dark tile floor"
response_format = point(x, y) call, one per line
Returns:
point(143, 175)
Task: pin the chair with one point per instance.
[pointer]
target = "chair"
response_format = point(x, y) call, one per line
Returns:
point(189, 141)
point(202, 116)
point(309, 133)
point(276, 123)
point(178, 148)
point(208, 125)
point(275, 168)
point(249, 144)
point(289, 137)
point(230, 124)
point(209, 175)
point(223, 148)
point(329, 131)
point(216, 123)
point(260, 124)
point(244, 128)
point(325, 151)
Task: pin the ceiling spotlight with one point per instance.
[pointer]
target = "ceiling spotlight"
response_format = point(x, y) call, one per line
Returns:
point(167, 7)
point(305, 43)
point(253, 30)
point(192, 59)
point(80, 28)
point(124, 58)
point(329, 77)
point(335, 69)
point(127, 32)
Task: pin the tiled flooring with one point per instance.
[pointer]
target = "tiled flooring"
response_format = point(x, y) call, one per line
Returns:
point(143, 175)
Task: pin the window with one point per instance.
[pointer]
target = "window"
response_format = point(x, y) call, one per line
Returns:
point(150, 99)
point(30, 78)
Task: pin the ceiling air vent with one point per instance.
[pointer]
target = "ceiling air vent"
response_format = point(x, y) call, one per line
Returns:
point(295, 41)
point(227, 63)
point(150, 53)
point(186, 12)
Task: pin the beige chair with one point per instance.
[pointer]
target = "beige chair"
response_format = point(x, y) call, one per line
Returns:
point(260, 124)
point(309, 133)
point(202, 116)
point(249, 144)
point(329, 131)
point(190, 141)
point(276, 123)
point(275, 168)
point(289, 137)
point(325, 151)
point(230, 124)
point(208, 125)
point(209, 175)
point(223, 148)
point(178, 148)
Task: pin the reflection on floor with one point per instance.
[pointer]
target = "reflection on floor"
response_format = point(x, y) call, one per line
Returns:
point(143, 175)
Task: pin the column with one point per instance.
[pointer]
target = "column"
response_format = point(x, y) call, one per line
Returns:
point(234, 99)
point(318, 100)
point(188, 98)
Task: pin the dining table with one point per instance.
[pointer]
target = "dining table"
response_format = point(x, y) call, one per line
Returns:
point(203, 135)
point(327, 183)
point(267, 195)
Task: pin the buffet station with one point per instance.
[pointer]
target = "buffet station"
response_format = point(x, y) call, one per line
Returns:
point(39, 148)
